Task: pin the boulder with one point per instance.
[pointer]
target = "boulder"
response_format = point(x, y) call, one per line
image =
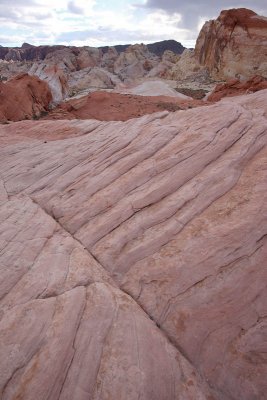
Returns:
point(23, 97)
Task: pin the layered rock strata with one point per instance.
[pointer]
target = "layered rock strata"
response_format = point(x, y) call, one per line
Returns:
point(133, 256)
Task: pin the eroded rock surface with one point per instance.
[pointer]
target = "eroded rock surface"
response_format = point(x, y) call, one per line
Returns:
point(163, 216)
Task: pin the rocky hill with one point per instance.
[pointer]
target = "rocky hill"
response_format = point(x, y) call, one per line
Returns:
point(28, 52)
point(157, 48)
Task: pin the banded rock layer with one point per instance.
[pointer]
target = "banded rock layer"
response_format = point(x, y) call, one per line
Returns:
point(134, 256)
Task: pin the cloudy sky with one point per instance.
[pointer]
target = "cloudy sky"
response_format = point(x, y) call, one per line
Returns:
point(109, 22)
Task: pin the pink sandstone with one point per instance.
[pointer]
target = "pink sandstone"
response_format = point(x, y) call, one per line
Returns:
point(134, 255)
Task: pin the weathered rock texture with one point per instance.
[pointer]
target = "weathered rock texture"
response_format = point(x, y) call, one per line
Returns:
point(169, 208)
point(186, 66)
point(135, 62)
point(54, 75)
point(23, 97)
point(234, 45)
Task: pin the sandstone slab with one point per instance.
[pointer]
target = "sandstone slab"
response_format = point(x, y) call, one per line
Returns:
point(149, 231)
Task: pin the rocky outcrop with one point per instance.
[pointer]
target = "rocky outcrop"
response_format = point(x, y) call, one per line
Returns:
point(91, 79)
point(55, 70)
point(133, 256)
point(234, 45)
point(56, 77)
point(135, 62)
point(186, 66)
point(10, 69)
point(23, 97)
point(234, 88)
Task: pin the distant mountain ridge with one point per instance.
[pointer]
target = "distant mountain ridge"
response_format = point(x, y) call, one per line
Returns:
point(28, 52)
point(157, 48)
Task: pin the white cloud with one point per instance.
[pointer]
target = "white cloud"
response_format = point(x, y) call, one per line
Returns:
point(159, 22)
point(83, 7)
point(68, 21)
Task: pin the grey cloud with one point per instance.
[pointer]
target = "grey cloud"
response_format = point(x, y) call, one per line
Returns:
point(191, 11)
point(7, 14)
point(24, 17)
point(73, 8)
point(19, 3)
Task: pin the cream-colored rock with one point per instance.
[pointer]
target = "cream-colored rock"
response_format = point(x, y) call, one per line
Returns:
point(170, 56)
point(8, 69)
point(234, 45)
point(91, 78)
point(186, 66)
point(135, 62)
point(153, 87)
point(54, 76)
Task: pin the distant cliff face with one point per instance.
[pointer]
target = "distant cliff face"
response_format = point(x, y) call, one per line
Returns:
point(234, 45)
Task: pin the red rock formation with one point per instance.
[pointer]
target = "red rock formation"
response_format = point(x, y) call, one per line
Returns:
point(234, 45)
point(23, 97)
point(133, 256)
point(106, 106)
point(234, 88)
